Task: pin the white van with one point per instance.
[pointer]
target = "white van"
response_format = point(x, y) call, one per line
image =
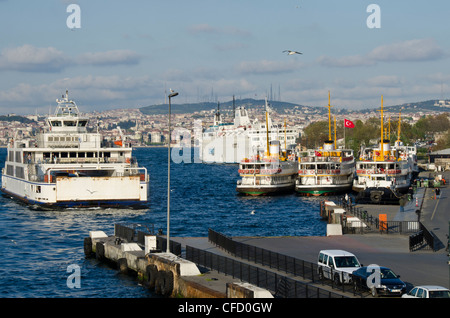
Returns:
point(337, 265)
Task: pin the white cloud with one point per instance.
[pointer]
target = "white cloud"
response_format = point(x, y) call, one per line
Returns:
point(114, 57)
point(412, 50)
point(418, 50)
point(99, 92)
point(27, 58)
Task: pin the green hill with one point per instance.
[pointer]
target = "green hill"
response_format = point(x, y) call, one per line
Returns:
point(280, 107)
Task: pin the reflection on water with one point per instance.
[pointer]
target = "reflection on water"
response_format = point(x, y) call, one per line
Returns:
point(37, 246)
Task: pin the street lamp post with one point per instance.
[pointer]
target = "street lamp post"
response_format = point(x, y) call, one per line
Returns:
point(172, 94)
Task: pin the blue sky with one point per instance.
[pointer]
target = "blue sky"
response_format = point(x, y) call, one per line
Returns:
point(128, 54)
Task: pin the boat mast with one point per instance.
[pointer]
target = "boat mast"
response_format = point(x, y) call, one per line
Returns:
point(382, 139)
point(335, 132)
point(329, 116)
point(399, 125)
point(267, 134)
point(389, 132)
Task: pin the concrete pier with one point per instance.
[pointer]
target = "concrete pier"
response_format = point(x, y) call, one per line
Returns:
point(173, 276)
point(165, 273)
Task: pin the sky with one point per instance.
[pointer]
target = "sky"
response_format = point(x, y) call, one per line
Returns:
point(129, 54)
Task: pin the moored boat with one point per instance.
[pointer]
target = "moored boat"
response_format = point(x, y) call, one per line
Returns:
point(383, 173)
point(269, 174)
point(326, 170)
point(68, 166)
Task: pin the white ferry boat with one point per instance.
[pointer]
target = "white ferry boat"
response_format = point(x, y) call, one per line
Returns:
point(272, 173)
point(407, 151)
point(327, 170)
point(382, 173)
point(66, 166)
point(231, 142)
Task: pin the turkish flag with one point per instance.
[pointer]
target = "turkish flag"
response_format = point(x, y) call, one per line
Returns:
point(348, 123)
point(318, 154)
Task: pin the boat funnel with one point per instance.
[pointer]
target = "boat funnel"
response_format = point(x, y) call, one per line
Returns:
point(274, 148)
point(386, 145)
point(328, 145)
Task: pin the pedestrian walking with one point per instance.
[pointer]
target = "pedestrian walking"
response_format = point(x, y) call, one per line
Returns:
point(437, 193)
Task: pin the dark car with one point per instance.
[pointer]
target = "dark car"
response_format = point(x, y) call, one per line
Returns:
point(379, 280)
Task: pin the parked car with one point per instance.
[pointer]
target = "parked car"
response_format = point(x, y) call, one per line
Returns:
point(428, 291)
point(387, 283)
point(337, 265)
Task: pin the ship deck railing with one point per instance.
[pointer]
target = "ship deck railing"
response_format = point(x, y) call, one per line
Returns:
point(83, 160)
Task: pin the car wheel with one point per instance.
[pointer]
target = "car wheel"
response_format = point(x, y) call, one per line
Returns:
point(374, 292)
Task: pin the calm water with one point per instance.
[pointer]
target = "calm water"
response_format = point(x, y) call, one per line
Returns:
point(36, 247)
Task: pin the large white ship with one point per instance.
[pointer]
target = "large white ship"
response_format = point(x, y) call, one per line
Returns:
point(67, 166)
point(243, 138)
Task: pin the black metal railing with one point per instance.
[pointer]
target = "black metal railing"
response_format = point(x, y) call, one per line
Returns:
point(280, 285)
point(276, 261)
point(419, 237)
point(370, 224)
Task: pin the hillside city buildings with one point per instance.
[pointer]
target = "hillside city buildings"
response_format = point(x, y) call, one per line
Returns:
point(145, 130)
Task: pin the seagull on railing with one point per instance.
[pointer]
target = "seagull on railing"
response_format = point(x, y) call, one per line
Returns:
point(289, 52)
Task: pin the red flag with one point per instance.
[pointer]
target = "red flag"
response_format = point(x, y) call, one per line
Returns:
point(348, 123)
point(318, 154)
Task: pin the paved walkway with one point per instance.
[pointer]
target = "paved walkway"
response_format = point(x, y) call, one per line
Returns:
point(392, 250)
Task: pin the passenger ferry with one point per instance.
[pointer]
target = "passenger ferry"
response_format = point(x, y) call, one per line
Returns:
point(273, 173)
point(66, 166)
point(382, 173)
point(270, 171)
point(327, 170)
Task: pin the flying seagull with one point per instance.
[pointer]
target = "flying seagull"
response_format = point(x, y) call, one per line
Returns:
point(289, 52)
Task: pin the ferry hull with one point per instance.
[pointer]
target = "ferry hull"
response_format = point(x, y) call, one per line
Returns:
point(379, 196)
point(258, 191)
point(321, 190)
point(61, 205)
point(83, 192)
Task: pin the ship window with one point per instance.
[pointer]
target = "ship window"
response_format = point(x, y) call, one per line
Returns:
point(19, 172)
point(50, 138)
point(89, 154)
point(64, 154)
point(69, 123)
point(38, 189)
point(18, 157)
point(10, 170)
point(56, 123)
point(73, 155)
point(82, 123)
